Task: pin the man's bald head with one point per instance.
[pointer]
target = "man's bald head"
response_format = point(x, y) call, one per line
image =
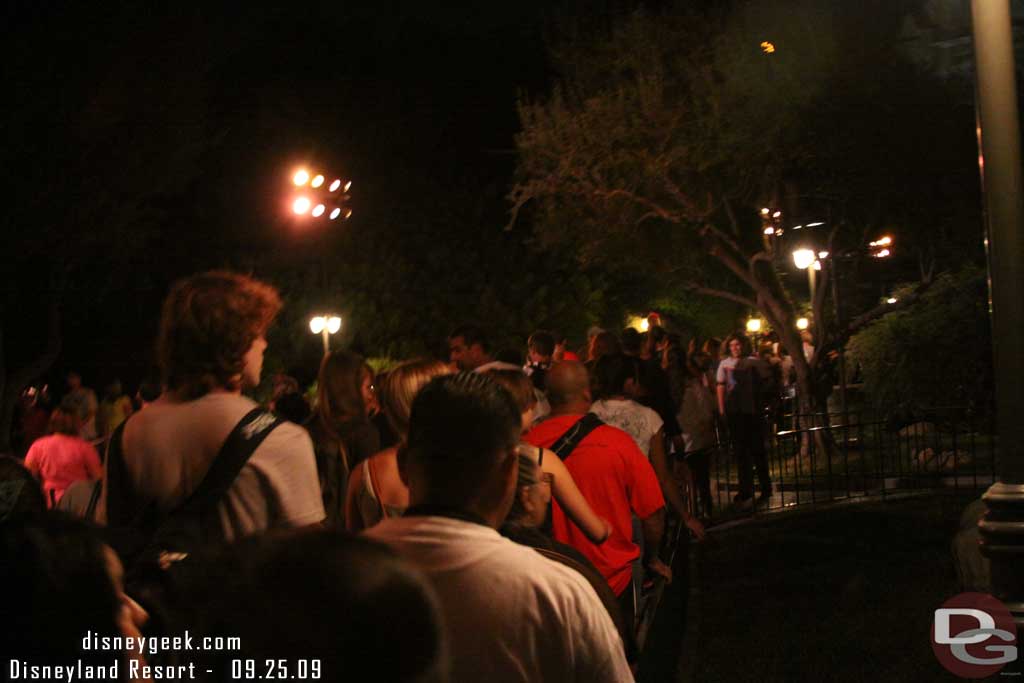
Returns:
point(568, 383)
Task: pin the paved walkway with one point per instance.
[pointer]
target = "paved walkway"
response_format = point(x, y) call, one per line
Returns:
point(834, 593)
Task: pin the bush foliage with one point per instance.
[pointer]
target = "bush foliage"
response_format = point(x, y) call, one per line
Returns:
point(936, 353)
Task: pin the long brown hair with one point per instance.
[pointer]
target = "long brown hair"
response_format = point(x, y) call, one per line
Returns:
point(339, 390)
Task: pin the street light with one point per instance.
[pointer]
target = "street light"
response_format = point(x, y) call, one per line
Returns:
point(325, 325)
point(325, 200)
point(753, 325)
point(803, 258)
point(802, 323)
point(806, 259)
point(880, 248)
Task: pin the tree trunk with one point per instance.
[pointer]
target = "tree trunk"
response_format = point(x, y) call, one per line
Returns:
point(808, 414)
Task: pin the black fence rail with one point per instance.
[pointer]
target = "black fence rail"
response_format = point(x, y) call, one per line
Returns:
point(829, 457)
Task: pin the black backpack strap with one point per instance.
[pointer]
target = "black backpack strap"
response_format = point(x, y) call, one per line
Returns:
point(572, 437)
point(121, 506)
point(90, 510)
point(241, 443)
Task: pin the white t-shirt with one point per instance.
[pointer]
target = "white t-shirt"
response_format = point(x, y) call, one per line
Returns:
point(640, 422)
point(168, 448)
point(510, 614)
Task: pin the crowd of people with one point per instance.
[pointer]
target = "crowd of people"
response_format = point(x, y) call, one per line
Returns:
point(481, 517)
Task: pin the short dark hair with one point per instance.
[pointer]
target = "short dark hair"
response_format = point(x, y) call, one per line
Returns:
point(460, 428)
point(335, 597)
point(209, 322)
point(23, 497)
point(518, 384)
point(59, 588)
point(611, 372)
point(472, 334)
point(632, 341)
point(542, 341)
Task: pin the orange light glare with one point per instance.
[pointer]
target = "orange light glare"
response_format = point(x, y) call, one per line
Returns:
point(335, 185)
point(300, 178)
point(765, 211)
point(347, 186)
point(335, 213)
point(318, 210)
point(348, 214)
point(767, 47)
point(777, 214)
point(891, 300)
point(318, 180)
point(300, 206)
point(769, 230)
point(883, 253)
point(317, 324)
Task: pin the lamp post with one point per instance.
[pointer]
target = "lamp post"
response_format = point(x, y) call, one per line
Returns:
point(325, 325)
point(754, 330)
point(1002, 528)
point(804, 259)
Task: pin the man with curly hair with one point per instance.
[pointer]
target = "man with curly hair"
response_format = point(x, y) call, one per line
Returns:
point(210, 348)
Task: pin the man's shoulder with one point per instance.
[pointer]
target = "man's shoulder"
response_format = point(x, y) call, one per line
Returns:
point(609, 436)
point(547, 431)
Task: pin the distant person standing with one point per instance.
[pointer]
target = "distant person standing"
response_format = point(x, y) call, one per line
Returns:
point(541, 345)
point(62, 458)
point(739, 379)
point(115, 408)
point(469, 350)
point(81, 401)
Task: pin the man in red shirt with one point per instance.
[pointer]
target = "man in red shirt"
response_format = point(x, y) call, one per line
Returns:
point(615, 478)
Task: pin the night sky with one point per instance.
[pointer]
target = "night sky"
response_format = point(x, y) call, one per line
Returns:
point(411, 100)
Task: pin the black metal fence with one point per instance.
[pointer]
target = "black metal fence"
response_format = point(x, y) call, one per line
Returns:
point(850, 457)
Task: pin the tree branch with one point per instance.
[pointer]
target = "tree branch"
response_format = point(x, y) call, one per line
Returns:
point(862, 321)
point(720, 294)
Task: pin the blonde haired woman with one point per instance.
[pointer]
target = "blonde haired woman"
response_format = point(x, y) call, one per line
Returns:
point(375, 490)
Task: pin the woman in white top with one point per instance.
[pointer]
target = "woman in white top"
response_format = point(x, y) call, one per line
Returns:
point(616, 384)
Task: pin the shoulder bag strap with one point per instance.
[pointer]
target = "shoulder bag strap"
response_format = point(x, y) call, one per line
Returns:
point(572, 437)
point(121, 507)
point(241, 443)
point(371, 469)
point(90, 511)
